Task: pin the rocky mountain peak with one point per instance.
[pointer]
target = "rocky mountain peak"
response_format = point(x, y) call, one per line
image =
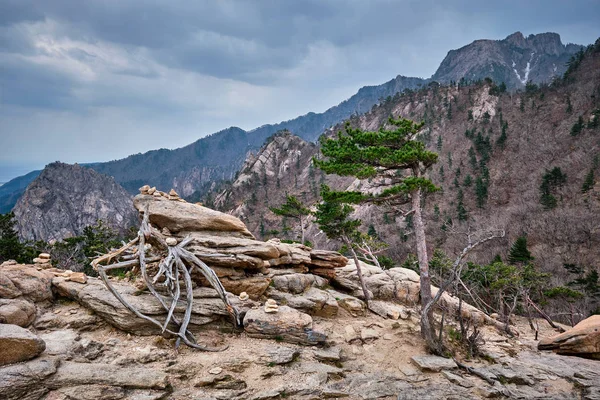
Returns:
point(514, 60)
point(516, 39)
point(65, 198)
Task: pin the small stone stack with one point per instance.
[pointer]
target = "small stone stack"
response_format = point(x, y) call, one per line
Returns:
point(152, 191)
point(43, 261)
point(271, 306)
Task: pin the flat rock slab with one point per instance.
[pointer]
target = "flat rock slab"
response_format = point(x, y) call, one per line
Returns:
point(433, 363)
point(23, 381)
point(388, 310)
point(182, 216)
point(287, 325)
point(18, 344)
point(74, 374)
point(332, 354)
point(60, 342)
point(280, 355)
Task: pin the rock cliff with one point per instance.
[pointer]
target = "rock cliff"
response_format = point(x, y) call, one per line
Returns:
point(64, 199)
point(514, 60)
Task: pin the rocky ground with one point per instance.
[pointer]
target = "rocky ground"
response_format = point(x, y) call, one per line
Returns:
point(306, 333)
point(363, 357)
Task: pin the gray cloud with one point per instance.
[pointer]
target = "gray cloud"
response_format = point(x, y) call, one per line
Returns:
point(77, 77)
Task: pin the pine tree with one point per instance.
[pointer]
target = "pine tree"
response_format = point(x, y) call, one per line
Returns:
point(333, 218)
point(588, 183)
point(481, 191)
point(468, 181)
point(472, 158)
point(461, 211)
point(10, 246)
point(293, 208)
point(502, 139)
point(519, 254)
point(569, 109)
point(372, 232)
point(577, 127)
point(377, 154)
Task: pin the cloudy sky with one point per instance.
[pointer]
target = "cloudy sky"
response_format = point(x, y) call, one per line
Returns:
point(96, 80)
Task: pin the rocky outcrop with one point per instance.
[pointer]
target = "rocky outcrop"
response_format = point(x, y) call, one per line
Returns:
point(223, 242)
point(208, 308)
point(582, 340)
point(286, 325)
point(64, 199)
point(514, 60)
point(18, 344)
point(181, 216)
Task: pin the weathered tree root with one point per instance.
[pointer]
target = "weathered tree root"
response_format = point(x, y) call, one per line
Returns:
point(175, 267)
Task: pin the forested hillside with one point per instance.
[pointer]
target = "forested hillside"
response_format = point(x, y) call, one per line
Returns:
point(525, 162)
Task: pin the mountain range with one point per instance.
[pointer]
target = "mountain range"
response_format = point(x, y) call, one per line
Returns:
point(195, 169)
point(526, 163)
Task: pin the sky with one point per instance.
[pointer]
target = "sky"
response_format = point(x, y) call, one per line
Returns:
point(97, 80)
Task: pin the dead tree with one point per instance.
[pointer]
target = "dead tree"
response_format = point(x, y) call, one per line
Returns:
point(473, 240)
point(174, 268)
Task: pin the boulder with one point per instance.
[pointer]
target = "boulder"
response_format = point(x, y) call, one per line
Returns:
point(286, 325)
point(188, 217)
point(88, 392)
point(25, 280)
point(351, 304)
point(254, 286)
point(297, 283)
point(433, 363)
point(18, 344)
point(388, 310)
point(581, 340)
point(17, 312)
point(23, 381)
point(279, 355)
point(332, 354)
point(314, 301)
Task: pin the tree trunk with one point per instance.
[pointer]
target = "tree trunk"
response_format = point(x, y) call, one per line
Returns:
point(421, 249)
point(358, 270)
point(427, 330)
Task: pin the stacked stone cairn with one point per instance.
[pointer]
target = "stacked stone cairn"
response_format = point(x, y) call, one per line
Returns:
point(43, 261)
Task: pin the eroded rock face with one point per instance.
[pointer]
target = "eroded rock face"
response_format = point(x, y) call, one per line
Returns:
point(287, 325)
point(96, 297)
point(64, 199)
point(18, 344)
point(242, 263)
point(582, 340)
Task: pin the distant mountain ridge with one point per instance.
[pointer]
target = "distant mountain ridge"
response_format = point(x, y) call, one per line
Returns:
point(196, 168)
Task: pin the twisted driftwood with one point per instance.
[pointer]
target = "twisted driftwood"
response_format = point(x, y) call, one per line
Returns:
point(174, 268)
